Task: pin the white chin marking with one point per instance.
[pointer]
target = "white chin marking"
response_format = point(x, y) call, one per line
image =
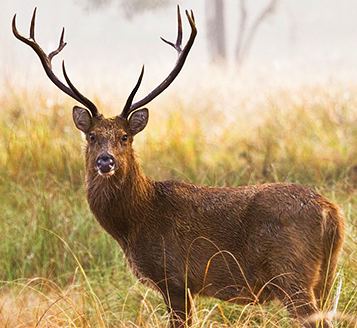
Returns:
point(106, 175)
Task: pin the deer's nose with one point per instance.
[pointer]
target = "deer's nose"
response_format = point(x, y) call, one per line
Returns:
point(105, 163)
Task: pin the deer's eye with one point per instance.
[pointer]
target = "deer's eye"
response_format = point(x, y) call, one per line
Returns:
point(91, 137)
point(124, 138)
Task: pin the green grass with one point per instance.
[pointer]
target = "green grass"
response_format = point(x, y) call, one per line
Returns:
point(59, 268)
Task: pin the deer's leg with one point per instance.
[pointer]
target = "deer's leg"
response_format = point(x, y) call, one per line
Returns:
point(301, 305)
point(179, 307)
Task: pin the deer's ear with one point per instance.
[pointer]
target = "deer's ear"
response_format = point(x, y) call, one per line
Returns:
point(138, 120)
point(82, 119)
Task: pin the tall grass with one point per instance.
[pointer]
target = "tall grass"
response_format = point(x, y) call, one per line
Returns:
point(59, 268)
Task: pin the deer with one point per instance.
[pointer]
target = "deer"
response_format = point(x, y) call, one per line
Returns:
point(247, 245)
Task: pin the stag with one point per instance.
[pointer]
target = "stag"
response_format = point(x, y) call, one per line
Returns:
point(248, 244)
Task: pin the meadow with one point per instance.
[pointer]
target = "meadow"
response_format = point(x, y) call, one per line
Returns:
point(58, 268)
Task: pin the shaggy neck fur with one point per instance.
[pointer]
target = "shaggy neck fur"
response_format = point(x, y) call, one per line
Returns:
point(119, 202)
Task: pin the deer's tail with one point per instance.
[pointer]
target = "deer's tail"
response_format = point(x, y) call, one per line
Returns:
point(332, 244)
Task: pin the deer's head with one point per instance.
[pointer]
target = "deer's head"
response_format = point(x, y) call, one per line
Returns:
point(109, 140)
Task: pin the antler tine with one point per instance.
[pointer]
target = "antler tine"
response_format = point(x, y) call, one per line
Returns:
point(191, 18)
point(47, 64)
point(82, 99)
point(179, 27)
point(178, 43)
point(61, 45)
point(32, 26)
point(126, 110)
point(182, 55)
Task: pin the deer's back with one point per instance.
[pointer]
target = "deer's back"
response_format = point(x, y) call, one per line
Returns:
point(192, 208)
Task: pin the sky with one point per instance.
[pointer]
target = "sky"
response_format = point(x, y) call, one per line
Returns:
point(107, 50)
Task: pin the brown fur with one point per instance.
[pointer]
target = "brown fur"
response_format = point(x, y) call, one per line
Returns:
point(246, 245)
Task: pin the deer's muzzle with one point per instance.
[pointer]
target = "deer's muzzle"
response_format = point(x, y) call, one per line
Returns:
point(105, 164)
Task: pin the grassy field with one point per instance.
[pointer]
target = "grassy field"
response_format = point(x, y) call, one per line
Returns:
point(57, 266)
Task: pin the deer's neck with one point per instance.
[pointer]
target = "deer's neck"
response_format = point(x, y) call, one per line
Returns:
point(120, 204)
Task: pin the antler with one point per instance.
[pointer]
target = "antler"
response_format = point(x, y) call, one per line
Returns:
point(46, 61)
point(182, 55)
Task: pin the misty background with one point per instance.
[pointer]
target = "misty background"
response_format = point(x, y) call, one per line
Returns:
point(109, 41)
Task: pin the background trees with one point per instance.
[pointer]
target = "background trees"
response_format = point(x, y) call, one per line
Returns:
point(248, 24)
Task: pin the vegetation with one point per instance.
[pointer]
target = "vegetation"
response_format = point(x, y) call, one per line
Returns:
point(58, 268)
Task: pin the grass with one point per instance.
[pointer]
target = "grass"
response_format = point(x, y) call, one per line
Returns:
point(57, 266)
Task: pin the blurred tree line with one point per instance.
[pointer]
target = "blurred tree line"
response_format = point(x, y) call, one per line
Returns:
point(247, 29)
point(130, 7)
